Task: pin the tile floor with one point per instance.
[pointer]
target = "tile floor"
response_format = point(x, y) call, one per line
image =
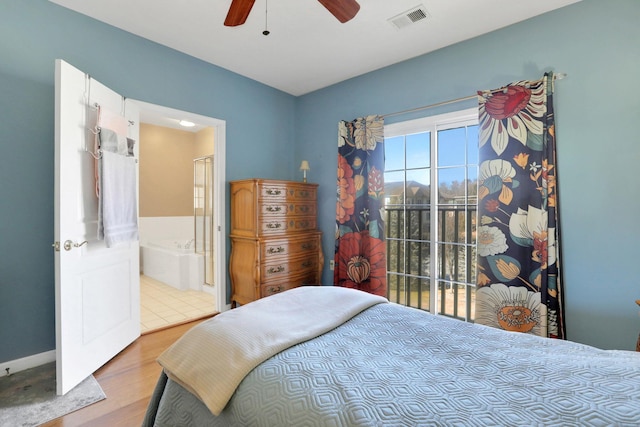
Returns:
point(162, 305)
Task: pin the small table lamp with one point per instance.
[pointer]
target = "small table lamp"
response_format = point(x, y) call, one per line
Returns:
point(304, 167)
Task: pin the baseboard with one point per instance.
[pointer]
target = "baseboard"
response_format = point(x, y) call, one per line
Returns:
point(28, 362)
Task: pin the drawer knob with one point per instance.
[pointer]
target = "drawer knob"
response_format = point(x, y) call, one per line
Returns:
point(274, 225)
point(273, 208)
point(273, 192)
point(277, 250)
point(274, 289)
point(277, 269)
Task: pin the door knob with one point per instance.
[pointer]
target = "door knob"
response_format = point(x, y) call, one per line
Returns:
point(68, 245)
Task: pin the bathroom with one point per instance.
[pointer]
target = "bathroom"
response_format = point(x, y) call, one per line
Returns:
point(175, 224)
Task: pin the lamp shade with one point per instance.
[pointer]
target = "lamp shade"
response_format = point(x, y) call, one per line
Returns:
point(304, 166)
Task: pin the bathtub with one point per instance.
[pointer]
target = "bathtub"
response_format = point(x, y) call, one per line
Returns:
point(173, 262)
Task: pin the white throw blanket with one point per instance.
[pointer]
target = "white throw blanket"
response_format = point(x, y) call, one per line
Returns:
point(212, 358)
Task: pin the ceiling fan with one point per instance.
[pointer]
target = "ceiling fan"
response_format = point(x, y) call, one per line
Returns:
point(343, 10)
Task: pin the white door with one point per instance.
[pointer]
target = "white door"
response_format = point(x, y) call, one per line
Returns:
point(97, 288)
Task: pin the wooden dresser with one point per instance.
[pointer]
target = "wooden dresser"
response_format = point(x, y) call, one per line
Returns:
point(275, 244)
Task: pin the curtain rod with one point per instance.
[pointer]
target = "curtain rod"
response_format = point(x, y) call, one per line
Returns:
point(426, 107)
point(556, 76)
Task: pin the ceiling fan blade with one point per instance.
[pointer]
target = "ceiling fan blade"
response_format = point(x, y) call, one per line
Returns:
point(343, 10)
point(238, 12)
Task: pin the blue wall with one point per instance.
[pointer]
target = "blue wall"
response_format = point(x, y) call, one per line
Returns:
point(32, 35)
point(597, 108)
point(598, 146)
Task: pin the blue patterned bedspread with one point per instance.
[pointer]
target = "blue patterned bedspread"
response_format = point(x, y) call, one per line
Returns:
point(395, 366)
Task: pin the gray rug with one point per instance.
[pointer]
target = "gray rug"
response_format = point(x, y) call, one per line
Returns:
point(28, 398)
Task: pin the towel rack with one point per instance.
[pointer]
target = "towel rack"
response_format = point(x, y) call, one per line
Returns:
point(96, 153)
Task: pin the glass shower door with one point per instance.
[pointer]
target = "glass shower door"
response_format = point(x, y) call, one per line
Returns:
point(203, 213)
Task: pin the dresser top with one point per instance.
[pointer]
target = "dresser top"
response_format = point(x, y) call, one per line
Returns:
point(273, 181)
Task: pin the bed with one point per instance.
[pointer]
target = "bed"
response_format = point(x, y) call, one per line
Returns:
point(329, 356)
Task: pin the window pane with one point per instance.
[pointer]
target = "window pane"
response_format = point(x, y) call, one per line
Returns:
point(472, 184)
point(394, 188)
point(472, 296)
point(418, 263)
point(419, 180)
point(446, 297)
point(453, 226)
point(473, 230)
point(419, 223)
point(395, 255)
point(418, 188)
point(394, 224)
point(473, 273)
point(396, 288)
point(413, 259)
point(460, 301)
point(450, 255)
point(394, 153)
point(452, 185)
point(419, 150)
point(459, 264)
point(452, 147)
point(419, 293)
point(472, 145)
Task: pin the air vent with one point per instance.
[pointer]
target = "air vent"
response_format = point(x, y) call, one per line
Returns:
point(409, 17)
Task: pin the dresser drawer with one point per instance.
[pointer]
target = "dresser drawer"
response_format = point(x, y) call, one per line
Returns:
point(302, 224)
point(277, 225)
point(274, 288)
point(307, 244)
point(274, 191)
point(289, 283)
point(285, 266)
point(277, 191)
point(273, 209)
point(301, 193)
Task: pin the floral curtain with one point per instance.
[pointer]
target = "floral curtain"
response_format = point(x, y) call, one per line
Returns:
point(360, 254)
point(519, 286)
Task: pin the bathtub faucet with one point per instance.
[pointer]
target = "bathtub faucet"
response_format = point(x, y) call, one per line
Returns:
point(188, 244)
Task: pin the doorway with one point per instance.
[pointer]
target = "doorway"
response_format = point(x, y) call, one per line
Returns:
point(196, 302)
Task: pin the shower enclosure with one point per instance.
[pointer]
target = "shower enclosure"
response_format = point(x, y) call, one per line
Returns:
point(203, 213)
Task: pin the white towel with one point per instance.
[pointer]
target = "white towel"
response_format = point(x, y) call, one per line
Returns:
point(114, 142)
point(117, 211)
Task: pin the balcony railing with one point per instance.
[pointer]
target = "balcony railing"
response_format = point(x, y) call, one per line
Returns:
point(409, 258)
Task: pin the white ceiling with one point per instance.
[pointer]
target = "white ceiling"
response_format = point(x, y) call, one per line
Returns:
point(307, 48)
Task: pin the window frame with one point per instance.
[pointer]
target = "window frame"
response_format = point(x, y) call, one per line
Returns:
point(433, 124)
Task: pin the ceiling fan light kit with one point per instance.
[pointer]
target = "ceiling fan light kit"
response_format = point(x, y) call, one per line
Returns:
point(343, 10)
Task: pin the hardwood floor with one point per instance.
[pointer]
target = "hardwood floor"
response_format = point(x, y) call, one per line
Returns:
point(128, 381)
